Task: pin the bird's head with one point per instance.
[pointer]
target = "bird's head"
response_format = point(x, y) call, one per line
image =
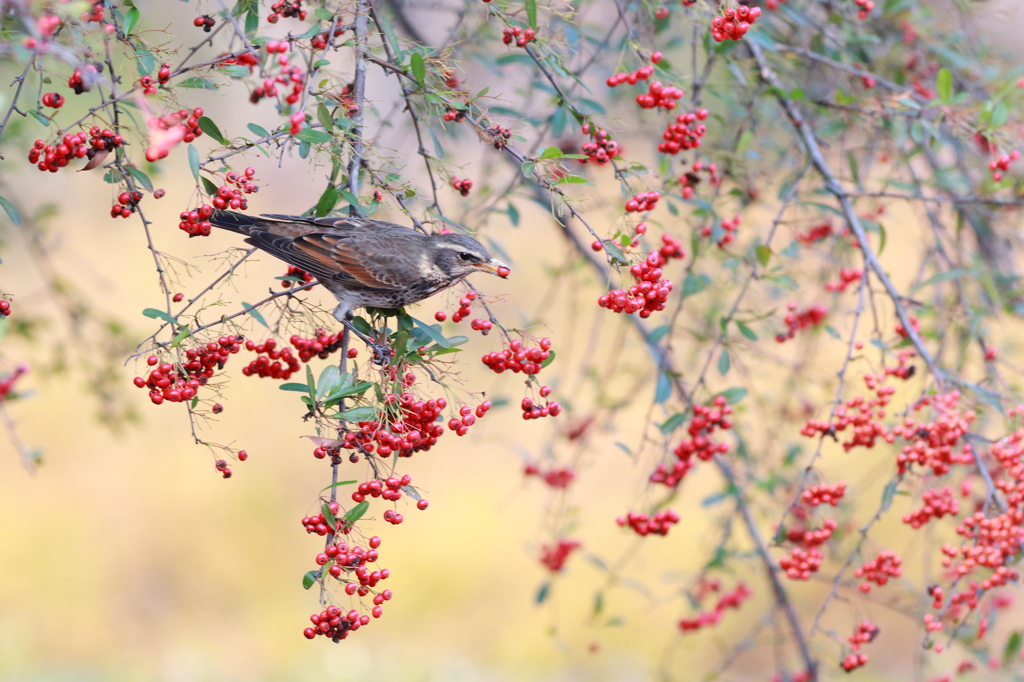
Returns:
point(458, 256)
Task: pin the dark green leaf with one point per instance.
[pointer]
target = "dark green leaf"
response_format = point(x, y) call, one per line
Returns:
point(723, 362)
point(292, 386)
point(358, 414)
point(131, 19)
point(208, 185)
point(39, 117)
point(531, 13)
point(328, 376)
point(323, 14)
point(658, 333)
point(11, 211)
point(313, 136)
point(434, 332)
point(345, 391)
point(193, 161)
point(328, 200)
point(258, 130)
point(323, 115)
point(734, 394)
point(542, 593)
point(329, 517)
point(338, 484)
point(195, 82)
point(389, 35)
point(158, 315)
point(141, 177)
point(888, 494)
point(544, 363)
point(362, 325)
point(672, 423)
point(614, 251)
point(746, 331)
point(664, 388)
point(513, 214)
point(355, 513)
point(207, 125)
point(419, 70)
point(1012, 650)
point(309, 579)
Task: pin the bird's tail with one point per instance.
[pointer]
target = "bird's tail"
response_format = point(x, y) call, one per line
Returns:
point(235, 222)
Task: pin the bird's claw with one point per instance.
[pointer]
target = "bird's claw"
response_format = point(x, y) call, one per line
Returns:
point(381, 354)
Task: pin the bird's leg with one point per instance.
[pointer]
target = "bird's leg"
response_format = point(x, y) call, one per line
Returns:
point(381, 351)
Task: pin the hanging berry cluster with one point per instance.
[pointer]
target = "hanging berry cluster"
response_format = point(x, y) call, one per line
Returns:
point(517, 358)
point(462, 185)
point(690, 179)
point(602, 149)
point(558, 478)
point(178, 383)
point(286, 9)
point(846, 278)
point(389, 490)
point(650, 291)
point(54, 100)
point(864, 634)
point(643, 201)
point(411, 428)
point(879, 570)
point(823, 494)
point(205, 22)
point(729, 600)
point(643, 524)
point(533, 410)
point(1000, 165)
point(517, 34)
point(197, 221)
point(126, 203)
point(734, 22)
point(554, 558)
point(460, 425)
point(5, 307)
point(684, 134)
point(53, 157)
point(812, 317)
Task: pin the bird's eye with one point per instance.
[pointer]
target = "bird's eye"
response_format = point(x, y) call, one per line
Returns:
point(466, 256)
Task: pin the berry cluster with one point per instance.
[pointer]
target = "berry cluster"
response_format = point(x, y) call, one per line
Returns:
point(997, 166)
point(456, 115)
point(641, 74)
point(517, 34)
point(462, 185)
point(729, 228)
point(533, 410)
point(95, 12)
point(729, 600)
point(482, 326)
point(286, 9)
point(55, 156)
point(554, 478)
point(734, 22)
point(706, 420)
point(659, 96)
point(933, 443)
point(937, 503)
point(390, 489)
point(643, 525)
point(126, 203)
point(319, 41)
point(197, 221)
point(222, 466)
point(54, 100)
point(178, 384)
point(846, 278)
point(812, 538)
point(517, 358)
point(409, 426)
point(684, 134)
point(690, 179)
point(81, 80)
point(602, 149)
point(298, 273)
point(878, 570)
point(650, 291)
point(499, 136)
point(168, 130)
point(644, 201)
point(236, 185)
point(460, 425)
point(5, 307)
point(243, 59)
point(812, 317)
point(902, 331)
point(7, 383)
point(318, 524)
point(465, 308)
point(334, 625)
point(815, 234)
point(864, 8)
point(205, 22)
point(276, 364)
point(554, 557)
point(824, 494)
point(801, 563)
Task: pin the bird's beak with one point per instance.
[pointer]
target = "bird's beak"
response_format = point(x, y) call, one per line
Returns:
point(495, 267)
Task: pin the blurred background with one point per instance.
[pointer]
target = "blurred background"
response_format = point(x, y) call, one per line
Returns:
point(126, 556)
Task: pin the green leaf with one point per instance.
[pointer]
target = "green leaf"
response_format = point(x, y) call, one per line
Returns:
point(310, 387)
point(11, 211)
point(527, 168)
point(328, 200)
point(694, 284)
point(323, 115)
point(131, 19)
point(389, 35)
point(888, 494)
point(313, 136)
point(193, 161)
point(344, 391)
point(183, 333)
point(419, 71)
point(208, 185)
point(158, 315)
point(144, 62)
point(513, 214)
point(256, 315)
point(235, 70)
point(734, 394)
point(39, 117)
point(672, 423)
point(292, 386)
point(355, 513)
point(309, 579)
point(207, 125)
point(723, 362)
point(141, 177)
point(252, 21)
point(434, 332)
point(1012, 650)
point(614, 251)
point(572, 180)
point(544, 363)
point(552, 153)
point(531, 13)
point(1000, 115)
point(764, 254)
point(945, 276)
point(663, 390)
point(746, 331)
point(258, 130)
point(944, 85)
point(542, 593)
point(329, 518)
point(323, 14)
point(200, 83)
point(338, 484)
point(658, 333)
point(358, 414)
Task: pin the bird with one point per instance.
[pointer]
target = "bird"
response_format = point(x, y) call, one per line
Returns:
point(365, 262)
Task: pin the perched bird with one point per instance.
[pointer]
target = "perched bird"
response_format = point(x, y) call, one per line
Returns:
point(365, 262)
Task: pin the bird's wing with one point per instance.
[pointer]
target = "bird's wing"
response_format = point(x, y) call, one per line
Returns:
point(346, 250)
